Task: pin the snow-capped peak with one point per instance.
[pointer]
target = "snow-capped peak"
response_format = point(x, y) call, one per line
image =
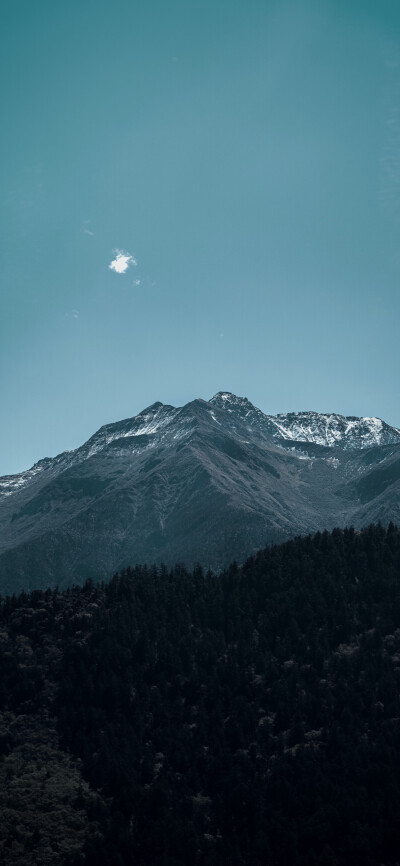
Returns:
point(319, 428)
point(226, 398)
point(151, 420)
point(333, 429)
point(232, 403)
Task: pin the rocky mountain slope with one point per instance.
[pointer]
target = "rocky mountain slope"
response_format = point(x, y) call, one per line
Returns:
point(207, 482)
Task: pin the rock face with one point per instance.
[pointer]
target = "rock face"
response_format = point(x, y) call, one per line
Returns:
point(208, 483)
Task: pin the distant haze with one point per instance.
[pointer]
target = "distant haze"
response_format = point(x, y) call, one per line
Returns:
point(196, 197)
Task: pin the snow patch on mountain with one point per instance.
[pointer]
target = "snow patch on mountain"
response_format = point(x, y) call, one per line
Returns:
point(331, 430)
point(318, 428)
point(9, 484)
point(149, 422)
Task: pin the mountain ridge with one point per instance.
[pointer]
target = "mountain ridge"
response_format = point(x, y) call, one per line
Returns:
point(207, 482)
point(288, 426)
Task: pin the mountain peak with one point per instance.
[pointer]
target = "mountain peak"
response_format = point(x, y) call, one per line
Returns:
point(327, 429)
point(204, 482)
point(333, 429)
point(229, 401)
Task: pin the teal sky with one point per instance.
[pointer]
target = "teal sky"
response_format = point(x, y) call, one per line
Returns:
point(247, 156)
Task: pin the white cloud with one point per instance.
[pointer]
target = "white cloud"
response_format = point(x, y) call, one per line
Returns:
point(86, 229)
point(122, 262)
point(137, 282)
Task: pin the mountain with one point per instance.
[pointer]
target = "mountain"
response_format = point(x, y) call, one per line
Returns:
point(316, 427)
point(208, 482)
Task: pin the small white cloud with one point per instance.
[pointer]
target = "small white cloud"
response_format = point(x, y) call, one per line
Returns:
point(137, 282)
point(74, 314)
point(122, 262)
point(86, 230)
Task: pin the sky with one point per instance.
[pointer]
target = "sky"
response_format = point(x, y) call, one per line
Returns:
point(195, 197)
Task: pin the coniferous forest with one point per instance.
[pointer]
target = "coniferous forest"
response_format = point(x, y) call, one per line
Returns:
point(173, 717)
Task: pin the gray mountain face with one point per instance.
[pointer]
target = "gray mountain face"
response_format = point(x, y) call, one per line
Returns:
point(206, 483)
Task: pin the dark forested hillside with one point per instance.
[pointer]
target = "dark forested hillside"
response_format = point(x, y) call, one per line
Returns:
point(175, 717)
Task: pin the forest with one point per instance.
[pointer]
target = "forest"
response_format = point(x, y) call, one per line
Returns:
point(177, 717)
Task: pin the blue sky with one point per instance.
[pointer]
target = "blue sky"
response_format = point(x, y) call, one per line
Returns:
point(246, 156)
